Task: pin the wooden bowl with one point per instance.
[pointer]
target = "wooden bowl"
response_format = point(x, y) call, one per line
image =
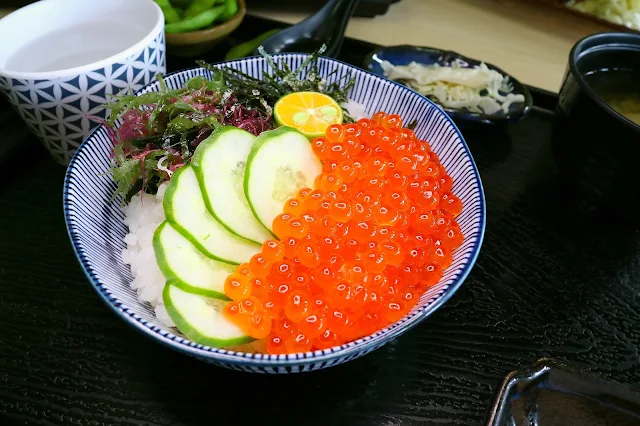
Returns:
point(196, 43)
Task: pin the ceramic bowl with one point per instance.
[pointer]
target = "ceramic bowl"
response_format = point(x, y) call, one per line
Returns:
point(96, 228)
point(405, 54)
point(195, 43)
point(595, 147)
point(70, 57)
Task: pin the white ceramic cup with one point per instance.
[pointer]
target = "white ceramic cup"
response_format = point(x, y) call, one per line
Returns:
point(61, 60)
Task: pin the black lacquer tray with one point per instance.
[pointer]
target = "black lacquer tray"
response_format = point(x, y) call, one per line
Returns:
point(550, 280)
point(551, 393)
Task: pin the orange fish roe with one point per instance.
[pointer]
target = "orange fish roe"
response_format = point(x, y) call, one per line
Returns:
point(356, 252)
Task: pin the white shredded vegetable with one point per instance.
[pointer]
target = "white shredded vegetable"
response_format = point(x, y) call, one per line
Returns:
point(477, 89)
point(355, 109)
point(162, 167)
point(622, 12)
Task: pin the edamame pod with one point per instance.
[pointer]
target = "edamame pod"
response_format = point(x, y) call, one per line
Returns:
point(247, 48)
point(230, 9)
point(197, 22)
point(198, 6)
point(171, 15)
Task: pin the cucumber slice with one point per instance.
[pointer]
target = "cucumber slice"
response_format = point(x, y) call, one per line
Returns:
point(280, 163)
point(219, 163)
point(186, 212)
point(201, 319)
point(185, 266)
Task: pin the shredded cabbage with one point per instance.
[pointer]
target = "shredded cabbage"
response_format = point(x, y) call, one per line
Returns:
point(355, 109)
point(477, 89)
point(161, 166)
point(622, 12)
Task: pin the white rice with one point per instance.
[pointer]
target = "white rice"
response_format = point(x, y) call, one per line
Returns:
point(143, 215)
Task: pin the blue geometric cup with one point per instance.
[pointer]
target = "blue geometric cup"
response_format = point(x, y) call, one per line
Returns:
point(75, 56)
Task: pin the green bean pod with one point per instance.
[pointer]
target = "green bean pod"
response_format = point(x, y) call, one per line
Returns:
point(170, 13)
point(230, 9)
point(198, 6)
point(247, 48)
point(197, 22)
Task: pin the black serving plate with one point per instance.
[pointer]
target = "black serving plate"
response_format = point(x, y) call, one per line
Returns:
point(405, 54)
point(551, 393)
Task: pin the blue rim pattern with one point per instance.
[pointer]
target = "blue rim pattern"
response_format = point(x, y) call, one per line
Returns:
point(95, 228)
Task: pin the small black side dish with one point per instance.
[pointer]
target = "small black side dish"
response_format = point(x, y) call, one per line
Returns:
point(551, 393)
point(405, 54)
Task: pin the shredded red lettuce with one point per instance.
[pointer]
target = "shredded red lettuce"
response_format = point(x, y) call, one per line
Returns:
point(134, 125)
point(251, 120)
point(159, 131)
point(166, 128)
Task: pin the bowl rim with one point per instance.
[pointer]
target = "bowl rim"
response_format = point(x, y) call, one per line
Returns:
point(230, 357)
point(627, 41)
point(206, 34)
point(147, 39)
point(459, 114)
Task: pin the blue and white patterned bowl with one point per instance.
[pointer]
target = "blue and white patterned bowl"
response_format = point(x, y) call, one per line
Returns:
point(67, 57)
point(96, 229)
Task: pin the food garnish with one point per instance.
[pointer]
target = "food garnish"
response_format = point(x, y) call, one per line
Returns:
point(159, 131)
point(281, 162)
point(309, 112)
point(185, 210)
point(282, 80)
point(478, 89)
point(220, 163)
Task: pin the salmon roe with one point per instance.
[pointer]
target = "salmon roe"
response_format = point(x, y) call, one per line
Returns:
point(355, 253)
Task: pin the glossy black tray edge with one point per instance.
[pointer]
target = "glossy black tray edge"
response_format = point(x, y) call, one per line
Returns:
point(548, 373)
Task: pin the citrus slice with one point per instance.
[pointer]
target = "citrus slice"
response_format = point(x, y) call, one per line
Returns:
point(309, 112)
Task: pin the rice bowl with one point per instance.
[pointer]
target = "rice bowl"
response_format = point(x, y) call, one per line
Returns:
point(138, 300)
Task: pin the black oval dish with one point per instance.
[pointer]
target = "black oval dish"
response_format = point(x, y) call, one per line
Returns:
point(551, 393)
point(405, 54)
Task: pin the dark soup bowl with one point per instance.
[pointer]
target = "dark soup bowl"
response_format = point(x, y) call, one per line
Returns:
point(596, 138)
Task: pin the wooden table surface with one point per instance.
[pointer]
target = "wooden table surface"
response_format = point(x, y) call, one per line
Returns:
point(529, 41)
